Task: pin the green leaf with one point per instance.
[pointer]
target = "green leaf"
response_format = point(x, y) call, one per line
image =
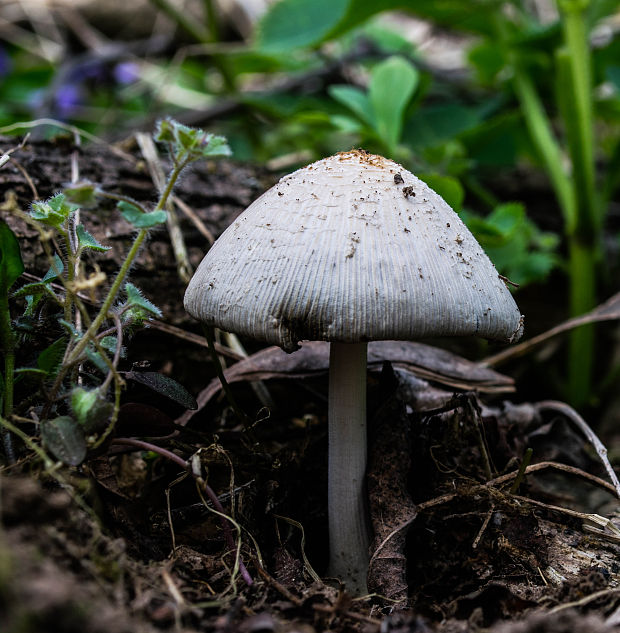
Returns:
point(137, 301)
point(90, 408)
point(11, 264)
point(55, 270)
point(431, 125)
point(292, 24)
point(37, 288)
point(487, 59)
point(345, 124)
point(54, 212)
point(507, 217)
point(140, 220)
point(450, 189)
point(514, 243)
point(86, 240)
point(64, 438)
point(190, 143)
point(29, 372)
point(108, 343)
point(354, 99)
point(96, 359)
point(392, 85)
point(165, 386)
point(50, 358)
point(83, 194)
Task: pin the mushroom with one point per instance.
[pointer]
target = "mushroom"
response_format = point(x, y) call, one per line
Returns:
point(350, 249)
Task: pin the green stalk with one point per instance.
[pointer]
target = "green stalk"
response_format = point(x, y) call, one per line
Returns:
point(575, 67)
point(539, 126)
point(102, 315)
point(68, 303)
point(541, 134)
point(575, 98)
point(582, 275)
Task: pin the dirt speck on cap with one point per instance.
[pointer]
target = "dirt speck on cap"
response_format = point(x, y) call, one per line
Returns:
point(363, 156)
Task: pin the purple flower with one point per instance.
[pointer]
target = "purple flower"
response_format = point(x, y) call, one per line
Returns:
point(67, 99)
point(126, 72)
point(5, 62)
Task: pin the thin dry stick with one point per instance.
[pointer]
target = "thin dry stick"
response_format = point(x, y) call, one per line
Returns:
point(27, 178)
point(195, 219)
point(4, 159)
point(483, 528)
point(586, 599)
point(608, 311)
point(577, 420)
point(279, 587)
point(597, 481)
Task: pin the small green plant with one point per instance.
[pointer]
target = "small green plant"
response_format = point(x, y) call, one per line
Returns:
point(74, 384)
point(377, 117)
point(520, 250)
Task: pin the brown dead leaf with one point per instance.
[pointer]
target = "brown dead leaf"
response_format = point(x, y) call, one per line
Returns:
point(424, 361)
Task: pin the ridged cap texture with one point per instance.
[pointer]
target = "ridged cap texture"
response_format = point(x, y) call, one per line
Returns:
point(351, 248)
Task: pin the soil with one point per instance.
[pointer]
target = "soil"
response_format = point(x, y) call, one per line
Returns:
point(465, 540)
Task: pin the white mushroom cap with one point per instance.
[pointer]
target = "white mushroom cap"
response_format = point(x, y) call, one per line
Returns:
point(351, 248)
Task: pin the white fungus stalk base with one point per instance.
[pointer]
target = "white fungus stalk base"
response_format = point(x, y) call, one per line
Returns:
point(348, 526)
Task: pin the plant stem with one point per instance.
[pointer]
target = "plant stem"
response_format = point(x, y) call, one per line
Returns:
point(7, 344)
point(102, 315)
point(349, 536)
point(541, 134)
point(582, 274)
point(575, 96)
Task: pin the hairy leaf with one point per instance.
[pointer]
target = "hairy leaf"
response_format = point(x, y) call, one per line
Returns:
point(136, 300)
point(64, 438)
point(86, 240)
point(188, 143)
point(92, 411)
point(53, 212)
point(164, 385)
point(50, 358)
point(138, 218)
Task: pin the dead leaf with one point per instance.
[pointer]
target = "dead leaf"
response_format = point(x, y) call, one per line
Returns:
point(427, 362)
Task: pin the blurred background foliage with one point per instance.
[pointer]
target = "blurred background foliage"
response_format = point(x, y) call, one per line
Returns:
point(510, 110)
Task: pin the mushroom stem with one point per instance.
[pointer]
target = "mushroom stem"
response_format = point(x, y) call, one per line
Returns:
point(347, 508)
